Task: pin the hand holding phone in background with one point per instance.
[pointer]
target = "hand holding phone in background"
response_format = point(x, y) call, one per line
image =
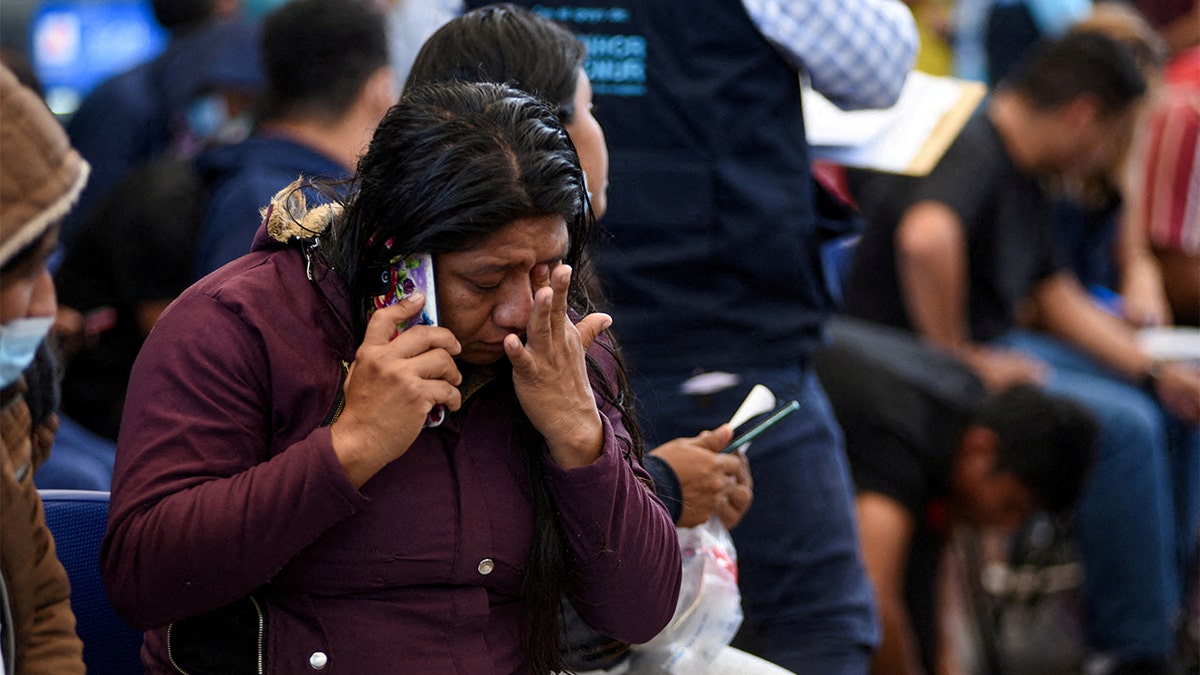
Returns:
point(709, 481)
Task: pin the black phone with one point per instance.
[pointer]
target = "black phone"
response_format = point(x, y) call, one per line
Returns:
point(767, 422)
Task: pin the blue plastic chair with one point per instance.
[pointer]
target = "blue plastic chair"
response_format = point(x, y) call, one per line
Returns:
point(77, 519)
point(79, 460)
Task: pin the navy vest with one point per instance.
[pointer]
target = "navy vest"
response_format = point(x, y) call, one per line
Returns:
point(711, 258)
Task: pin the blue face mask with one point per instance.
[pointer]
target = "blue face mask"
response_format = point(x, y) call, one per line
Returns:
point(206, 115)
point(19, 341)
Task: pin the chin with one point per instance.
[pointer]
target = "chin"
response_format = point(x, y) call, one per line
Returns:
point(480, 357)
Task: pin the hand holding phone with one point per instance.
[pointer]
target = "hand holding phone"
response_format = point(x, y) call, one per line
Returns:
point(404, 276)
point(389, 389)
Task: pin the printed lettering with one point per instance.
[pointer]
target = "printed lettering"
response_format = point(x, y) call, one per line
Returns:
point(614, 46)
point(583, 15)
point(616, 70)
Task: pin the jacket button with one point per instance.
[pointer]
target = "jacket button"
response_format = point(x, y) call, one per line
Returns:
point(486, 566)
point(318, 660)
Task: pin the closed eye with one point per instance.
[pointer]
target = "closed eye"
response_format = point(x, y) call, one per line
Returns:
point(485, 286)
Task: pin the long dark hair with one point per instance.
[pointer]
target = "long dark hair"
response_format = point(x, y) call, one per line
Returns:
point(505, 43)
point(450, 165)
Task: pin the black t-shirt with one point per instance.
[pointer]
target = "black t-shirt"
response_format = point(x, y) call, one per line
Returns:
point(1006, 221)
point(901, 405)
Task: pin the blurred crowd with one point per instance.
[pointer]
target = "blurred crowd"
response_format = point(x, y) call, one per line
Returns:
point(982, 359)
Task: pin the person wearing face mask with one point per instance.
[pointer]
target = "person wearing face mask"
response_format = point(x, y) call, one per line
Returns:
point(319, 106)
point(40, 177)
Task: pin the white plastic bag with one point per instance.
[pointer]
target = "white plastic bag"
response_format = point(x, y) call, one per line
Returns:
point(709, 611)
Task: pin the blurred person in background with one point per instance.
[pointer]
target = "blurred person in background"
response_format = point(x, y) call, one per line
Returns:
point(713, 268)
point(930, 449)
point(126, 260)
point(960, 257)
point(1095, 229)
point(209, 71)
point(1166, 167)
point(320, 107)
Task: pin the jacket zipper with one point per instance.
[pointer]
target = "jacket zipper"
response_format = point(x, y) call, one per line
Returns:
point(340, 403)
point(170, 655)
point(261, 630)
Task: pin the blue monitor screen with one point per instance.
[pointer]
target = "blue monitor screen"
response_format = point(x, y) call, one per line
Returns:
point(76, 44)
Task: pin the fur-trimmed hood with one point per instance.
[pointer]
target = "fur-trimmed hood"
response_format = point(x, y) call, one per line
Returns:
point(41, 175)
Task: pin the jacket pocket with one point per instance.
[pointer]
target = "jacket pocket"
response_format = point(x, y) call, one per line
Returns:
point(230, 640)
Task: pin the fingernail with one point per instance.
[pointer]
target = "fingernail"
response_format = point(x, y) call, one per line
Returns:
point(416, 296)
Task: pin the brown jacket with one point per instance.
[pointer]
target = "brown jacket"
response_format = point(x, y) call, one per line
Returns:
point(38, 592)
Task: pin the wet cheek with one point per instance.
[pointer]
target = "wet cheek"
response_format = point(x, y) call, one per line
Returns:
point(455, 312)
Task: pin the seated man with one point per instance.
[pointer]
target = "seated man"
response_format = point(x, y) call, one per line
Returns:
point(917, 449)
point(962, 255)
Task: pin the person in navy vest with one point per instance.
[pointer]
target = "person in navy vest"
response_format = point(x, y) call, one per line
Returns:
point(713, 268)
point(507, 43)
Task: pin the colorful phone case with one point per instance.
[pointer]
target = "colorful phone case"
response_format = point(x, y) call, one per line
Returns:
point(404, 276)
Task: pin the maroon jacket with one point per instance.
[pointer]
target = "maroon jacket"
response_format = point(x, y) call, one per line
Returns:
point(226, 485)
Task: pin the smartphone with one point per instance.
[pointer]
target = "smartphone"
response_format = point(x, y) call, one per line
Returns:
point(404, 276)
point(768, 422)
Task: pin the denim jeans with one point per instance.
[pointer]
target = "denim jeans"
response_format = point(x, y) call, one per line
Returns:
point(805, 593)
point(1138, 518)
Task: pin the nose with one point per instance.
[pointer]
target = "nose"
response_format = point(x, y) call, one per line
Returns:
point(43, 301)
point(513, 309)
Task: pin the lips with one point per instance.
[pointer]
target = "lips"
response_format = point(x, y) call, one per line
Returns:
point(482, 353)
